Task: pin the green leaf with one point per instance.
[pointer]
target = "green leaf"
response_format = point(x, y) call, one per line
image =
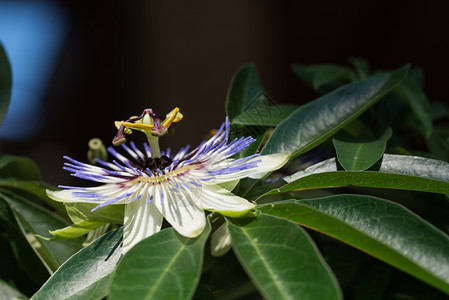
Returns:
point(355, 155)
point(36, 220)
point(361, 66)
point(417, 75)
point(5, 83)
point(313, 123)
point(396, 172)
point(381, 228)
point(80, 212)
point(74, 230)
point(245, 91)
point(34, 191)
point(18, 167)
point(87, 274)
point(22, 263)
point(265, 115)
point(410, 91)
point(323, 77)
point(282, 260)
point(163, 266)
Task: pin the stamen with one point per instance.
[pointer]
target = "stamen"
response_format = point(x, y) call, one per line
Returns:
point(138, 126)
point(174, 115)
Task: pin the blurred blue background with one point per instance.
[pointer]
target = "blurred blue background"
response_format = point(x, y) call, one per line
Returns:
point(33, 33)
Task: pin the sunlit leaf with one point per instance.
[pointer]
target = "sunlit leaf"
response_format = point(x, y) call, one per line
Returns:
point(87, 274)
point(395, 172)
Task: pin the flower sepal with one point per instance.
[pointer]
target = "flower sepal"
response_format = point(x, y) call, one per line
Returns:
point(79, 212)
point(84, 220)
point(73, 231)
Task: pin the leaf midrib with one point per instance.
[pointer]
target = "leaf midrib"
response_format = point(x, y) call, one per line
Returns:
point(265, 263)
point(164, 273)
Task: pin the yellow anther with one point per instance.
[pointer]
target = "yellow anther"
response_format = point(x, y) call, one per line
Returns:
point(138, 126)
point(172, 117)
point(118, 124)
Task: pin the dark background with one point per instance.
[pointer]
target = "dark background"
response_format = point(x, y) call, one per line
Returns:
point(120, 57)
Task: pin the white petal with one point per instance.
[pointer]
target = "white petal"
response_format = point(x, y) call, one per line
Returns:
point(180, 209)
point(67, 196)
point(103, 193)
point(141, 221)
point(216, 198)
point(229, 185)
point(269, 163)
point(265, 164)
point(220, 242)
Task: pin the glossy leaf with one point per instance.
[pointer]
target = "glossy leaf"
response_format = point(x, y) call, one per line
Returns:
point(265, 115)
point(87, 274)
point(410, 91)
point(355, 155)
point(396, 172)
point(163, 266)
point(5, 83)
point(21, 168)
point(378, 227)
point(282, 260)
point(245, 92)
point(313, 123)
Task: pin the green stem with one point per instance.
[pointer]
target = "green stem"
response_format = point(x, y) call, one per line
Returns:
point(154, 145)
